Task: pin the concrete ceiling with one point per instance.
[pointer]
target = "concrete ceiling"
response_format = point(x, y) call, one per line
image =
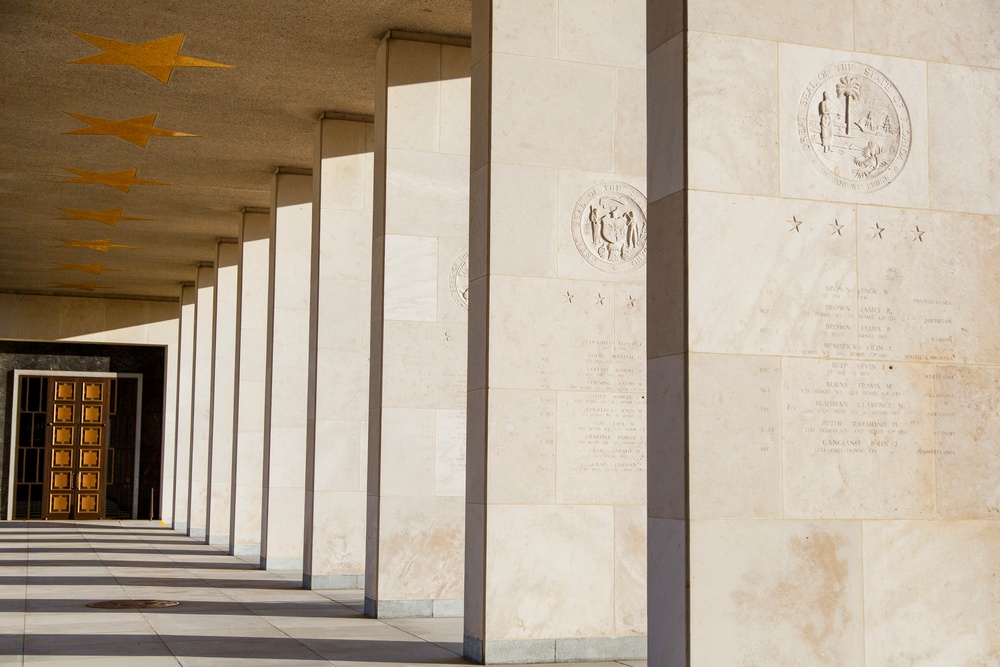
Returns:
point(289, 61)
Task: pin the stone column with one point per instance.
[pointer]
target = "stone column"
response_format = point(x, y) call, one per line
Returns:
point(220, 460)
point(826, 378)
point(555, 514)
point(201, 401)
point(339, 348)
point(185, 386)
point(416, 457)
point(286, 388)
point(249, 378)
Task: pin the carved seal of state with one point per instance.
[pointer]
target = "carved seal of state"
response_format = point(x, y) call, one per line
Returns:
point(609, 227)
point(854, 126)
point(458, 280)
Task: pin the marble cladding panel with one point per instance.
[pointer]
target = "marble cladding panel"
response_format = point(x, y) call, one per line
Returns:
point(348, 375)
point(622, 39)
point(876, 149)
point(666, 426)
point(630, 570)
point(771, 276)
point(411, 276)
point(408, 443)
point(561, 334)
point(959, 32)
point(826, 23)
point(455, 101)
point(858, 439)
point(522, 27)
point(931, 592)
point(521, 443)
point(449, 453)
point(344, 174)
point(344, 313)
point(339, 456)
point(284, 535)
point(964, 147)
point(793, 596)
point(574, 129)
point(425, 365)
point(927, 285)
point(427, 193)
point(731, 114)
point(966, 402)
point(524, 238)
point(630, 121)
point(543, 565)
point(422, 548)
point(735, 450)
point(342, 539)
point(413, 77)
point(349, 254)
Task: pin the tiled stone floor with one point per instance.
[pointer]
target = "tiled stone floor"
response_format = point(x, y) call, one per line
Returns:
point(230, 613)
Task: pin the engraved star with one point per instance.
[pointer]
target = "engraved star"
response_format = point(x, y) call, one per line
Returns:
point(795, 223)
point(447, 337)
point(136, 130)
point(836, 226)
point(919, 234)
point(568, 297)
point(878, 231)
point(600, 300)
point(95, 269)
point(119, 180)
point(157, 57)
point(631, 301)
point(109, 217)
point(100, 245)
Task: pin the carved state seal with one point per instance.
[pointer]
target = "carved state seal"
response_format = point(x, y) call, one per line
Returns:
point(458, 281)
point(609, 227)
point(854, 126)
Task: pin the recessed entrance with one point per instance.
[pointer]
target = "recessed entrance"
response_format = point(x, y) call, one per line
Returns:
point(75, 446)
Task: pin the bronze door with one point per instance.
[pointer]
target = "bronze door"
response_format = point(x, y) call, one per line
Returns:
point(76, 448)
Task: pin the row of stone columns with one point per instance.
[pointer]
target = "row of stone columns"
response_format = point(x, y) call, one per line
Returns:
point(460, 276)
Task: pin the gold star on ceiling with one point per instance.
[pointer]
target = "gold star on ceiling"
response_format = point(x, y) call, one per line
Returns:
point(90, 287)
point(95, 269)
point(119, 180)
point(108, 217)
point(100, 245)
point(157, 57)
point(136, 130)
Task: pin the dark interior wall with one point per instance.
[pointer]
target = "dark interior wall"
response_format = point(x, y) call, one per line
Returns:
point(146, 359)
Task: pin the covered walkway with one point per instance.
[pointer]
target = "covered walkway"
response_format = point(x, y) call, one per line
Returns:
point(230, 613)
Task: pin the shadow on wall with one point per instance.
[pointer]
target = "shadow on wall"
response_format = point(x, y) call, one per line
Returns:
point(93, 319)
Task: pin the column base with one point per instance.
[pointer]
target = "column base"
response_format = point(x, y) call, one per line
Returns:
point(218, 540)
point(245, 550)
point(414, 608)
point(280, 563)
point(570, 649)
point(333, 582)
point(196, 532)
point(180, 527)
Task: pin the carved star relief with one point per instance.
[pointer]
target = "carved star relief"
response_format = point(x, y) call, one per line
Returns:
point(795, 223)
point(836, 227)
point(109, 217)
point(136, 130)
point(600, 299)
point(918, 234)
point(568, 297)
point(878, 230)
point(100, 245)
point(631, 301)
point(157, 57)
point(96, 269)
point(119, 180)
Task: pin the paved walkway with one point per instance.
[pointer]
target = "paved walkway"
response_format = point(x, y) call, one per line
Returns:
point(230, 613)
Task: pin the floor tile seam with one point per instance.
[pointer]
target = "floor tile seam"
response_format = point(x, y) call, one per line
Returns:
point(427, 641)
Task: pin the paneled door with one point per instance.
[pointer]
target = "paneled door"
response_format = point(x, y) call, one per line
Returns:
point(76, 448)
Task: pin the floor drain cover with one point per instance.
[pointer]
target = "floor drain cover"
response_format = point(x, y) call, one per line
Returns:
point(133, 604)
